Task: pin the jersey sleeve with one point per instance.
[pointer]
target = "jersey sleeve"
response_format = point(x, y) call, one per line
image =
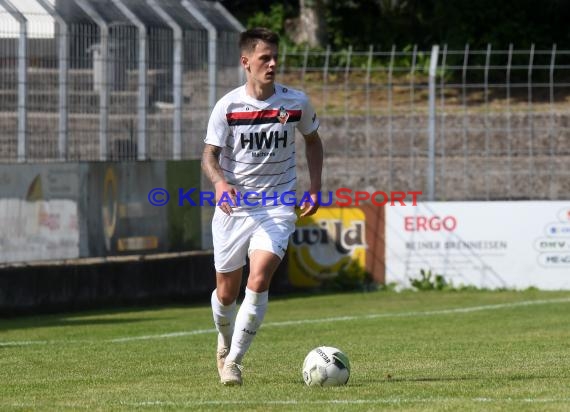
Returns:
point(309, 121)
point(218, 128)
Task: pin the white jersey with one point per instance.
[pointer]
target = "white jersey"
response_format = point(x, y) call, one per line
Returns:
point(258, 144)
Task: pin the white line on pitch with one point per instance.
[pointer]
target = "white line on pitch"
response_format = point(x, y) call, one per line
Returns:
point(378, 401)
point(163, 335)
point(342, 401)
point(469, 309)
point(371, 316)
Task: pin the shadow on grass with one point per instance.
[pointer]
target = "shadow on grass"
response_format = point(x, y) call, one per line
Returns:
point(47, 321)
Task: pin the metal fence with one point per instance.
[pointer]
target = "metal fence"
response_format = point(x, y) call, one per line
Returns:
point(115, 88)
point(454, 124)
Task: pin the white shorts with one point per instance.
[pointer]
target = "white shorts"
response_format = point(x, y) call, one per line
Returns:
point(235, 237)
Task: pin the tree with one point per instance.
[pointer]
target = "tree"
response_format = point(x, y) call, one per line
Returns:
point(310, 26)
point(383, 23)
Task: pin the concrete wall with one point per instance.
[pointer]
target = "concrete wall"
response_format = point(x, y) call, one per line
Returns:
point(99, 283)
point(78, 210)
point(495, 156)
point(184, 278)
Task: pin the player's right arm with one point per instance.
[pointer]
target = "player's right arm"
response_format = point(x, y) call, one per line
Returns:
point(211, 167)
point(216, 139)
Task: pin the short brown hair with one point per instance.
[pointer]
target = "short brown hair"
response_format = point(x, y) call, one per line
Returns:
point(249, 38)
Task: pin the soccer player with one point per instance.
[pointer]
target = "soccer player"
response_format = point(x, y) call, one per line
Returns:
point(249, 156)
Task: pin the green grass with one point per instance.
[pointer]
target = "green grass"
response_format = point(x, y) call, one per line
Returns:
point(408, 351)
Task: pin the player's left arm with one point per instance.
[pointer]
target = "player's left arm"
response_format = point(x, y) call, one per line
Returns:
point(314, 153)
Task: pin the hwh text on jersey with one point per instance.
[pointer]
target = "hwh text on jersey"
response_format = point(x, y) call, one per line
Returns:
point(262, 141)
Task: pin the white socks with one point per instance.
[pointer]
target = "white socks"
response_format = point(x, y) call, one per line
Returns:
point(224, 319)
point(248, 320)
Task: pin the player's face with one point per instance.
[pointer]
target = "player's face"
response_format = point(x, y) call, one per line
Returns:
point(261, 64)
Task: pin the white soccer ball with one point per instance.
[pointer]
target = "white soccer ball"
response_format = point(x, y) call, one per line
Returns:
point(326, 366)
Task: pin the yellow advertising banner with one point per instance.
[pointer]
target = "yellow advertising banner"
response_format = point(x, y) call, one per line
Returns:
point(325, 243)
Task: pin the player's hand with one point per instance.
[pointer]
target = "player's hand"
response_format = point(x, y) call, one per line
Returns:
point(310, 208)
point(226, 196)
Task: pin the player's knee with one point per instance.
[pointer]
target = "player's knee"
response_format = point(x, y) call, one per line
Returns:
point(226, 296)
point(226, 300)
point(258, 282)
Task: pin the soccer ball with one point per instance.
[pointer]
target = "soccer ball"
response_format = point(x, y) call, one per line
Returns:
point(326, 366)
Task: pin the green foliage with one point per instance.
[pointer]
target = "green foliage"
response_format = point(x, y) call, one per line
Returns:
point(383, 23)
point(429, 281)
point(388, 287)
point(274, 20)
point(350, 277)
point(427, 22)
point(421, 63)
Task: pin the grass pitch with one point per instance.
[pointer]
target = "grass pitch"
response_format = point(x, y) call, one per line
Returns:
point(408, 351)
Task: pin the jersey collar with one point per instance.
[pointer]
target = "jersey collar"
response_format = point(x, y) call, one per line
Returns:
point(261, 104)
